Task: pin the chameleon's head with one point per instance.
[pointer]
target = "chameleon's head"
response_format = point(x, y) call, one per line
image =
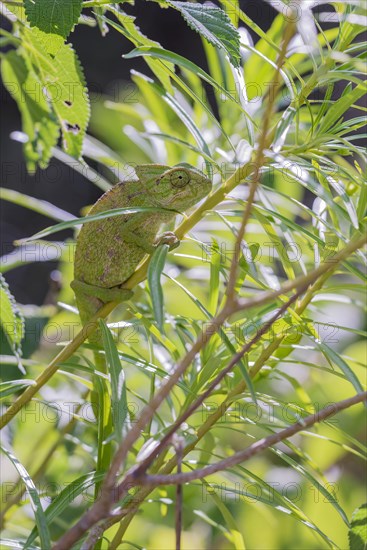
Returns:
point(180, 187)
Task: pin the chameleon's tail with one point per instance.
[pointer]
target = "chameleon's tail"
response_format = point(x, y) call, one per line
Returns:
point(100, 395)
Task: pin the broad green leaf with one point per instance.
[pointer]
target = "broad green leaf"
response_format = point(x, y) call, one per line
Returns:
point(118, 387)
point(155, 269)
point(34, 498)
point(11, 319)
point(358, 529)
point(53, 16)
point(213, 24)
point(38, 120)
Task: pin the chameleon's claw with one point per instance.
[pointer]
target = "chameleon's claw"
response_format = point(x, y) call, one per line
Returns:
point(169, 238)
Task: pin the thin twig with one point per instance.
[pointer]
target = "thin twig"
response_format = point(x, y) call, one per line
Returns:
point(136, 471)
point(259, 161)
point(255, 448)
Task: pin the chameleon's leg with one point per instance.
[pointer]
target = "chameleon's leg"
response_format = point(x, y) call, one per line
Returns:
point(103, 294)
point(166, 238)
point(131, 235)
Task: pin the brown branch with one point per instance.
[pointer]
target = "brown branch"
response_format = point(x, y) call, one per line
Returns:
point(259, 161)
point(136, 471)
point(255, 448)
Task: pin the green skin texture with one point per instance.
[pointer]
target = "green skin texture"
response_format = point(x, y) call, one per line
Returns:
point(108, 251)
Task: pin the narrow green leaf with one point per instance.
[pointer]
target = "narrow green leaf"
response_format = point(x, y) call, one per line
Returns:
point(12, 386)
point(118, 387)
point(242, 363)
point(53, 16)
point(215, 263)
point(62, 502)
point(132, 32)
point(39, 514)
point(343, 365)
point(87, 219)
point(181, 61)
point(213, 24)
point(233, 534)
point(11, 320)
point(182, 115)
point(155, 270)
point(16, 545)
point(358, 529)
point(37, 205)
point(184, 144)
point(339, 108)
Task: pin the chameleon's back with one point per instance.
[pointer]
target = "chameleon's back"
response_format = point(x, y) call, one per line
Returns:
point(102, 256)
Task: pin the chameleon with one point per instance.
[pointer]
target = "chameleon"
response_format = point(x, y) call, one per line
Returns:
point(108, 251)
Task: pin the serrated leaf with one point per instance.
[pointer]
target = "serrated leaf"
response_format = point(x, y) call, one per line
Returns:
point(70, 100)
point(11, 319)
point(213, 24)
point(38, 121)
point(358, 529)
point(118, 387)
point(53, 16)
point(155, 269)
point(63, 85)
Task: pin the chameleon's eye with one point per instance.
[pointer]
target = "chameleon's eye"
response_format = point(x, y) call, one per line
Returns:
point(179, 178)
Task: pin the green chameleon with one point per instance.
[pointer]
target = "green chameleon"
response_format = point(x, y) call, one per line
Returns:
point(108, 251)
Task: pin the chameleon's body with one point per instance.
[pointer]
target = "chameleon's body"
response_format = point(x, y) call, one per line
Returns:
point(109, 250)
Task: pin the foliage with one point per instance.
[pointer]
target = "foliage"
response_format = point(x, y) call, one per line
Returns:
point(276, 125)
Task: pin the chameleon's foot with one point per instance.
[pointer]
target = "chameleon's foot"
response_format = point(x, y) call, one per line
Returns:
point(168, 237)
